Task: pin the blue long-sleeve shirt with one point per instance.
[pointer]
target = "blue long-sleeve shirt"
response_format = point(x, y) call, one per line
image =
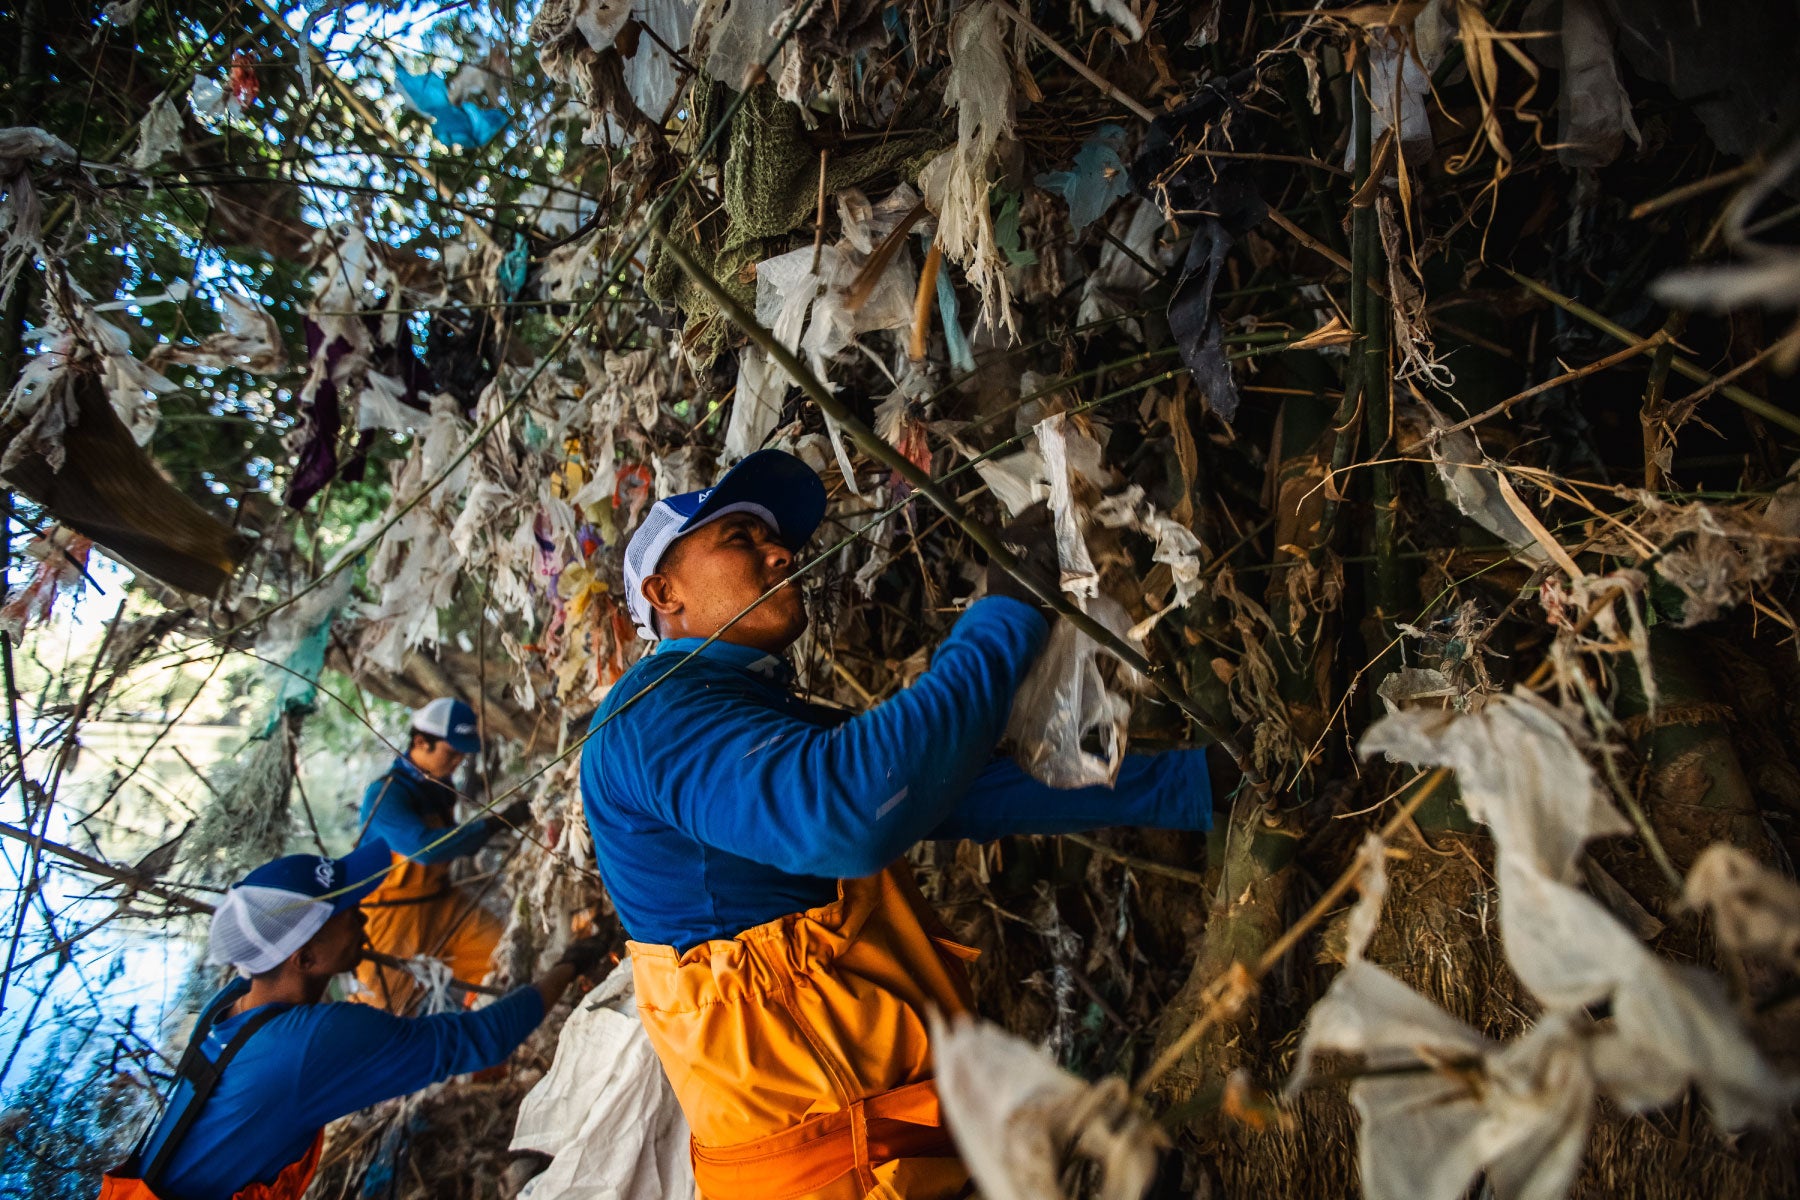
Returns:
point(313, 1064)
point(719, 800)
point(409, 810)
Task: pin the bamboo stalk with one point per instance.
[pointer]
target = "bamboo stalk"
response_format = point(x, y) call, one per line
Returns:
point(1345, 445)
point(879, 449)
point(1651, 414)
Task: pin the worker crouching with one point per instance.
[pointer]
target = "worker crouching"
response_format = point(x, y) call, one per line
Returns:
point(752, 844)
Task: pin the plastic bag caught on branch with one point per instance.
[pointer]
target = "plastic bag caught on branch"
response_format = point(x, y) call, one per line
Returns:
point(1065, 705)
point(1017, 1116)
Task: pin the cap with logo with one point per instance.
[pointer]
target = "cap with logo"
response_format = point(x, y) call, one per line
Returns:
point(772, 484)
point(450, 719)
point(276, 909)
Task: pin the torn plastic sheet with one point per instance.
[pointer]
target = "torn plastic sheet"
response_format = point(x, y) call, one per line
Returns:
point(807, 310)
point(1519, 1111)
point(73, 332)
point(1120, 12)
point(1219, 202)
point(1069, 452)
point(1755, 910)
point(1096, 180)
point(28, 143)
point(1117, 285)
point(61, 556)
point(605, 1112)
point(1673, 1026)
point(1595, 109)
point(1473, 485)
point(1520, 774)
point(1017, 1116)
point(1770, 272)
point(249, 341)
point(956, 183)
point(466, 125)
point(736, 36)
point(1017, 481)
point(1064, 705)
point(207, 99)
point(1411, 684)
point(755, 407)
point(956, 342)
point(1399, 82)
point(294, 641)
point(159, 134)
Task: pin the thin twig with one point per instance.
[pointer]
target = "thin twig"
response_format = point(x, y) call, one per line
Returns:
point(1659, 338)
point(1136, 863)
point(1080, 68)
point(1737, 395)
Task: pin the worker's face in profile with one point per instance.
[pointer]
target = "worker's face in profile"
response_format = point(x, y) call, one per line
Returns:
point(437, 760)
point(716, 572)
point(338, 945)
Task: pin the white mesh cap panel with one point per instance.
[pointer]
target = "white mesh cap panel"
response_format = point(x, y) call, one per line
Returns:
point(660, 530)
point(255, 928)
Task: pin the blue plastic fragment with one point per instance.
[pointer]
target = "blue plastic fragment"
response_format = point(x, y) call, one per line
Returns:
point(962, 357)
point(467, 125)
point(513, 268)
point(1097, 179)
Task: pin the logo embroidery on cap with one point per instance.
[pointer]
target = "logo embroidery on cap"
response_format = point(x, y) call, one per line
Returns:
point(465, 729)
point(324, 872)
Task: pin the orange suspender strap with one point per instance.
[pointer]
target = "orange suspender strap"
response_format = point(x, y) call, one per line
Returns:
point(902, 1123)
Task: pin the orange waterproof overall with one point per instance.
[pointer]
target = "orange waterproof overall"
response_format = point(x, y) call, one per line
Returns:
point(799, 1050)
point(289, 1185)
point(417, 910)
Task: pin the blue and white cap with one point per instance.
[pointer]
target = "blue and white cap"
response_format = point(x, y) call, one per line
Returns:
point(772, 484)
point(450, 719)
point(276, 909)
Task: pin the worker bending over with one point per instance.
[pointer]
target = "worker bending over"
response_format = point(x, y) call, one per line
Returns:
point(269, 1065)
point(417, 909)
point(752, 844)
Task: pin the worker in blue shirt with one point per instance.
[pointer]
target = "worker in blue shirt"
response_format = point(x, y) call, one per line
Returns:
point(418, 909)
point(269, 1064)
point(751, 843)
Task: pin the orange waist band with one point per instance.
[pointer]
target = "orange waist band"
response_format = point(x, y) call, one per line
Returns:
point(903, 1123)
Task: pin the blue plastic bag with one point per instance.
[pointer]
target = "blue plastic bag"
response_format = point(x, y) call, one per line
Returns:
point(1097, 179)
point(466, 125)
